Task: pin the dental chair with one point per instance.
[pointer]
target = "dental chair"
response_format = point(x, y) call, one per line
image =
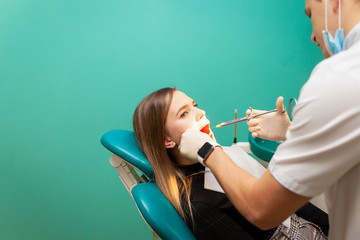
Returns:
point(137, 176)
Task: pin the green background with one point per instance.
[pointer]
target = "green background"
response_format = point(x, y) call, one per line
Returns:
point(72, 70)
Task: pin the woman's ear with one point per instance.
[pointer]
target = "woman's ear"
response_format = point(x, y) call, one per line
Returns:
point(169, 143)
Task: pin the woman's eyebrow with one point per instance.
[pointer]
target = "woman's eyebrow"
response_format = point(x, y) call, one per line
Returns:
point(185, 106)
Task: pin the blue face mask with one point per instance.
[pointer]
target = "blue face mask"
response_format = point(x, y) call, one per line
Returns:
point(333, 45)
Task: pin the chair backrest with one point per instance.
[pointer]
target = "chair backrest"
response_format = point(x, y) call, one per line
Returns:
point(156, 210)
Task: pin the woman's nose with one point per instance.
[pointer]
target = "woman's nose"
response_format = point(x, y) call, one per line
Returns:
point(199, 114)
point(313, 38)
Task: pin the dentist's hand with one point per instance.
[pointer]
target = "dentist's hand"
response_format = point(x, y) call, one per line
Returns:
point(191, 141)
point(272, 126)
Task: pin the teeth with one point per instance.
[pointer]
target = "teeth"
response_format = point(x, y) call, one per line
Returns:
point(203, 121)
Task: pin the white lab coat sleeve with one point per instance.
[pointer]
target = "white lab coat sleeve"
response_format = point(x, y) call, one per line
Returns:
point(323, 142)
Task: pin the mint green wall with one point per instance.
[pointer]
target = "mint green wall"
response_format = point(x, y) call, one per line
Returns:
point(72, 70)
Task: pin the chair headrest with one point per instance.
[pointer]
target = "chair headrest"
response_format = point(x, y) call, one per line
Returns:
point(123, 144)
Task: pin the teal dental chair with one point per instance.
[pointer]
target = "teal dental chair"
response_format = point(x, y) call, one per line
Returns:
point(137, 176)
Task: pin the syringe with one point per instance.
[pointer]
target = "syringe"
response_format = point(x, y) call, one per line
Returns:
point(243, 119)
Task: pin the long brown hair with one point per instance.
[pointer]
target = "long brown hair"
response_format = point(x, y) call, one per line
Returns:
point(149, 127)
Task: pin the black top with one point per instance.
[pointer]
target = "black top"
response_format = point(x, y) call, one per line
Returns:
point(216, 218)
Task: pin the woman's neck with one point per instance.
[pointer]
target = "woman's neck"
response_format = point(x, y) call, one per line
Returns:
point(180, 159)
point(185, 161)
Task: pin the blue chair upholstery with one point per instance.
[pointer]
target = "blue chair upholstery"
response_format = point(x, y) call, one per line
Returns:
point(157, 211)
point(123, 144)
point(263, 149)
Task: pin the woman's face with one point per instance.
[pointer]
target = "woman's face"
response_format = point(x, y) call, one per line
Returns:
point(184, 114)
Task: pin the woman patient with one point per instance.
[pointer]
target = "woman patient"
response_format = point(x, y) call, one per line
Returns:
point(159, 121)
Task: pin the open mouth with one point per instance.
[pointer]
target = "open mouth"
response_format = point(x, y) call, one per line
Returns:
point(206, 129)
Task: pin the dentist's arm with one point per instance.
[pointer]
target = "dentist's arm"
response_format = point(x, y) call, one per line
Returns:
point(264, 202)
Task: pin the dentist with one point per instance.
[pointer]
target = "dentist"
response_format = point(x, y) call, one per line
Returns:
point(321, 151)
